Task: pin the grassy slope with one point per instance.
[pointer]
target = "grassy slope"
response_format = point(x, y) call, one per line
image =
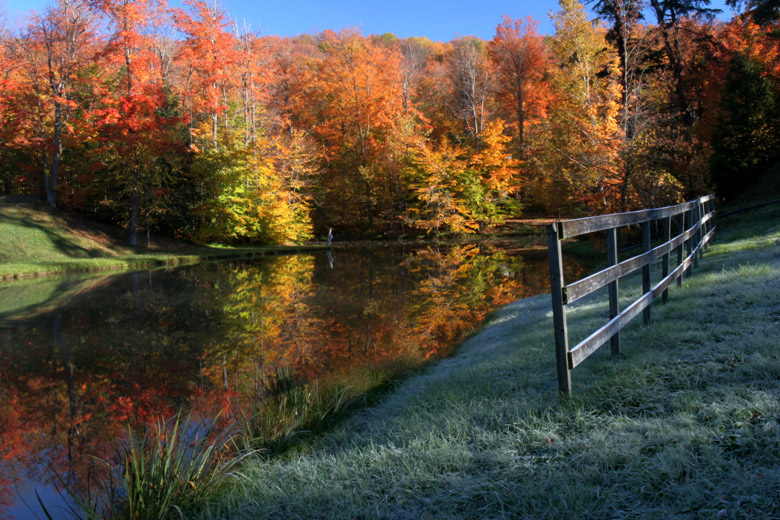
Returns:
point(32, 232)
point(35, 241)
point(683, 425)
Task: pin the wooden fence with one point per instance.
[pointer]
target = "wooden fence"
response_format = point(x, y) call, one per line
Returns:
point(695, 227)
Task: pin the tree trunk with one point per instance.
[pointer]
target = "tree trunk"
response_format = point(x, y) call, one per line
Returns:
point(146, 220)
point(672, 50)
point(54, 172)
point(134, 219)
point(520, 122)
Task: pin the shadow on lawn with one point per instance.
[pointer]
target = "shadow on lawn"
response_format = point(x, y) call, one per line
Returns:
point(67, 237)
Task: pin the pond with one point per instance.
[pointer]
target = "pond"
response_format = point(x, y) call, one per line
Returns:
point(82, 358)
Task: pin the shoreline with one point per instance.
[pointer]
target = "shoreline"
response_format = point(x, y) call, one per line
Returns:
point(19, 271)
point(29, 270)
point(678, 423)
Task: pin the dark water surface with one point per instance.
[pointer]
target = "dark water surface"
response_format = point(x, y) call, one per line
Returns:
point(81, 358)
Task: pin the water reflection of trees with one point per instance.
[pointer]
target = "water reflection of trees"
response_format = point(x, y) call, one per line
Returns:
point(458, 287)
point(210, 338)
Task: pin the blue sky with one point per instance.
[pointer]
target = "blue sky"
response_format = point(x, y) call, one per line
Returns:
point(437, 19)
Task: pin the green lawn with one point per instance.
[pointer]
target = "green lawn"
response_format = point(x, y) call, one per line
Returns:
point(684, 424)
point(35, 241)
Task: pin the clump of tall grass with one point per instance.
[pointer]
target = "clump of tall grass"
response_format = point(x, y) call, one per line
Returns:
point(171, 466)
point(286, 406)
point(175, 465)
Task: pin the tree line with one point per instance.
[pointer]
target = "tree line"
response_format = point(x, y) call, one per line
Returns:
point(182, 122)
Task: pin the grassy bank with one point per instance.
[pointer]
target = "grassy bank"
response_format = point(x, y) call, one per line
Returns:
point(683, 425)
point(37, 241)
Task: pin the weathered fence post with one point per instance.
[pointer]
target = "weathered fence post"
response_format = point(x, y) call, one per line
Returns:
point(702, 231)
point(712, 209)
point(667, 236)
point(646, 268)
point(708, 225)
point(681, 229)
point(689, 243)
point(559, 311)
point(614, 287)
point(697, 233)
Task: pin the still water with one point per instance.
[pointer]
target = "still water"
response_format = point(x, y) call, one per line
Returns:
point(83, 358)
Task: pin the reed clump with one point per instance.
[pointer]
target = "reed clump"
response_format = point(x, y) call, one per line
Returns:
point(170, 467)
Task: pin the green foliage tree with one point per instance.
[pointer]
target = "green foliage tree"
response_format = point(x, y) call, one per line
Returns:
point(762, 12)
point(454, 190)
point(745, 138)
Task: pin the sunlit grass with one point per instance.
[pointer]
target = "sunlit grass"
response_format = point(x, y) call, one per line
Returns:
point(287, 411)
point(38, 241)
point(285, 407)
point(684, 424)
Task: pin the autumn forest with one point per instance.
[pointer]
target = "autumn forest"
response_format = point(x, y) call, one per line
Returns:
point(183, 123)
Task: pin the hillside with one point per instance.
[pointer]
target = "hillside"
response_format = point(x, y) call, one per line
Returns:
point(37, 241)
point(32, 230)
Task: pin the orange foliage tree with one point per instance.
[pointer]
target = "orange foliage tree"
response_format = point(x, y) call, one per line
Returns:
point(578, 166)
point(179, 121)
point(356, 103)
point(209, 54)
point(522, 61)
point(60, 45)
point(131, 120)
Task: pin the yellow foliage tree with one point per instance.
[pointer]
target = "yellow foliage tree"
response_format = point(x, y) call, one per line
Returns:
point(457, 191)
point(255, 192)
point(437, 180)
point(583, 129)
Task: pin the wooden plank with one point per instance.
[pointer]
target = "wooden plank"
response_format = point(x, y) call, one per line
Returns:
point(713, 216)
point(705, 217)
point(708, 219)
point(646, 267)
point(582, 226)
point(699, 215)
point(701, 228)
point(589, 345)
point(614, 287)
point(559, 311)
point(671, 277)
point(708, 236)
point(576, 290)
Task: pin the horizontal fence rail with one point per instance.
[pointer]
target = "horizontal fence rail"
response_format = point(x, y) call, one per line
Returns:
point(695, 224)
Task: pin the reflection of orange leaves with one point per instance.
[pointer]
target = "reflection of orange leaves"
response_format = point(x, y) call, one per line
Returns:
point(13, 427)
point(37, 383)
point(504, 293)
point(445, 323)
point(82, 419)
point(121, 408)
point(445, 315)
